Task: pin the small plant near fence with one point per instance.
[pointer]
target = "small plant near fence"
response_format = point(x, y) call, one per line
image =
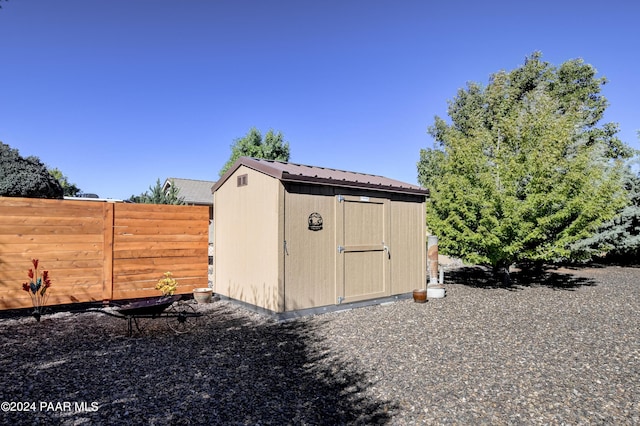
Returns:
point(37, 287)
point(167, 285)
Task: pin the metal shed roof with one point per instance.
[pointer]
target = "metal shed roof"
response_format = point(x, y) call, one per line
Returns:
point(299, 173)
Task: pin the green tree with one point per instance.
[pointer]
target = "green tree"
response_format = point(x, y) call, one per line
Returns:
point(272, 147)
point(619, 238)
point(25, 176)
point(68, 189)
point(156, 195)
point(522, 172)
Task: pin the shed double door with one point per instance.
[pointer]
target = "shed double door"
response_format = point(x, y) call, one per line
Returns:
point(363, 256)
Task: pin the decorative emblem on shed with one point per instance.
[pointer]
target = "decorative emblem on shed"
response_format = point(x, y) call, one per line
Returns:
point(315, 222)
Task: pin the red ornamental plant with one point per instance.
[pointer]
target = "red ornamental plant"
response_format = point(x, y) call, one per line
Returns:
point(37, 288)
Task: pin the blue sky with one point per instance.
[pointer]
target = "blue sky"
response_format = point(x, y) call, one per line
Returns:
point(119, 93)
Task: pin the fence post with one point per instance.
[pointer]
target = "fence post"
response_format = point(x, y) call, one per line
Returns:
point(432, 257)
point(107, 252)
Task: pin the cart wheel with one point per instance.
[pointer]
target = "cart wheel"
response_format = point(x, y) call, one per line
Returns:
point(181, 317)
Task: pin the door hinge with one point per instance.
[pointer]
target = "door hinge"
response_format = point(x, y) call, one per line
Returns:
point(340, 299)
point(340, 198)
point(340, 249)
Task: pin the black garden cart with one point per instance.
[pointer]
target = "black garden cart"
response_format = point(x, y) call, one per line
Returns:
point(180, 315)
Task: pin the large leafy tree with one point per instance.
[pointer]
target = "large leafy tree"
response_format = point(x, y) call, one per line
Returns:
point(272, 147)
point(25, 176)
point(523, 171)
point(156, 195)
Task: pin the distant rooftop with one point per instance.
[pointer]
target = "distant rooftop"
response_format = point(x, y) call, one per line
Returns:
point(299, 173)
point(193, 191)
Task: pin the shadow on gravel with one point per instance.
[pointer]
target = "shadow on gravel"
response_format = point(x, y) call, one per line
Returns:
point(231, 370)
point(549, 276)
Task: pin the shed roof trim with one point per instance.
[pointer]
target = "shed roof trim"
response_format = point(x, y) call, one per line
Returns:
point(300, 173)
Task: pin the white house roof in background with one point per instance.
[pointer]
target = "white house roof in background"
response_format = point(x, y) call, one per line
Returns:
point(299, 173)
point(193, 191)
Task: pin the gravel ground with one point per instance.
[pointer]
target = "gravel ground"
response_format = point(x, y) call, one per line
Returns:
point(558, 348)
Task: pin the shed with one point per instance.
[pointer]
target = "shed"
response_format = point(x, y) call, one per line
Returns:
point(290, 237)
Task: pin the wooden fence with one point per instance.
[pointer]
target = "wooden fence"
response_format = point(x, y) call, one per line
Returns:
point(97, 251)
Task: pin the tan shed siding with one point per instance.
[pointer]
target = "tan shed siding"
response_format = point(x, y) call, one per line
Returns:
point(408, 252)
point(247, 239)
point(311, 255)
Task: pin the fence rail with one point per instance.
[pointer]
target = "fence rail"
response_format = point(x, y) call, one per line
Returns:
point(98, 251)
